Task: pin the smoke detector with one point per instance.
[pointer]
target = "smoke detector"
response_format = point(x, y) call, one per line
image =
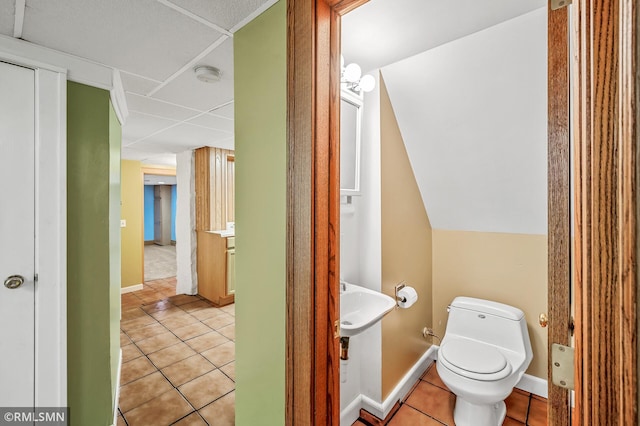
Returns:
point(207, 73)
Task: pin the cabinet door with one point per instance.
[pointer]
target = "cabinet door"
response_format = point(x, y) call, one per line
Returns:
point(231, 271)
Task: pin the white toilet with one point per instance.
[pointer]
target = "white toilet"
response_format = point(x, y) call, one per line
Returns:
point(483, 355)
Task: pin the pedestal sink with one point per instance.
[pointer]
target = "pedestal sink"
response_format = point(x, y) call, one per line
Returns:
point(360, 308)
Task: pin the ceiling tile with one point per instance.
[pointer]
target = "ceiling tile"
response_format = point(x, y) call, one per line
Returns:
point(224, 13)
point(213, 122)
point(188, 136)
point(149, 157)
point(153, 106)
point(141, 36)
point(7, 16)
point(139, 126)
point(225, 111)
point(187, 90)
point(135, 84)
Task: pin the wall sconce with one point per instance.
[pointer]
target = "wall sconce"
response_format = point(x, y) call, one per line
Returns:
point(351, 78)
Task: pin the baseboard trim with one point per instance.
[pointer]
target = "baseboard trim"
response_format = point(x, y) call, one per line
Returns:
point(117, 396)
point(131, 288)
point(149, 243)
point(381, 410)
point(534, 385)
point(351, 413)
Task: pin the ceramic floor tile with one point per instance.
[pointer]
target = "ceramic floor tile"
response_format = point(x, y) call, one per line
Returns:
point(358, 423)
point(190, 331)
point(192, 419)
point(142, 390)
point(407, 415)
point(160, 305)
point(537, 412)
point(207, 388)
point(229, 331)
point(135, 369)
point(133, 324)
point(195, 306)
point(222, 354)
point(157, 342)
point(130, 352)
point(433, 401)
point(221, 412)
point(219, 321)
point(163, 314)
point(188, 369)
point(229, 370)
point(518, 405)
point(131, 314)
point(230, 309)
point(207, 313)
point(206, 341)
point(176, 321)
point(508, 421)
point(182, 299)
point(121, 421)
point(124, 339)
point(146, 332)
point(161, 410)
point(432, 376)
point(171, 355)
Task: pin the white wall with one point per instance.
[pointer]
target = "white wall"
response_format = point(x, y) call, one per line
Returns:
point(186, 274)
point(473, 115)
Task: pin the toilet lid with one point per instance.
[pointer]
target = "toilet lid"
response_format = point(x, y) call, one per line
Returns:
point(474, 360)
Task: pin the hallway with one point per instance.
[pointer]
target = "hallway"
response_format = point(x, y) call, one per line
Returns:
point(178, 359)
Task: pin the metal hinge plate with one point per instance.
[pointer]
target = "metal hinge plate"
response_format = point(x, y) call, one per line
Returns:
point(562, 358)
point(559, 4)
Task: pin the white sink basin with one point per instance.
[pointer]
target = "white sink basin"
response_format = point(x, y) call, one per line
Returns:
point(360, 308)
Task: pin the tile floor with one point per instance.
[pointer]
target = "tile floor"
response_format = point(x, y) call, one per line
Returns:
point(178, 359)
point(430, 403)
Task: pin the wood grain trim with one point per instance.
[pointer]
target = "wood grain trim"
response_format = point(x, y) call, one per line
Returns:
point(312, 382)
point(202, 167)
point(606, 236)
point(559, 215)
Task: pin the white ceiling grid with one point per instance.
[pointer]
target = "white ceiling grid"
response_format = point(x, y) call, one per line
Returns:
point(155, 44)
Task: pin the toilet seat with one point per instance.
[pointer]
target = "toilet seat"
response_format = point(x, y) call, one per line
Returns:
point(474, 360)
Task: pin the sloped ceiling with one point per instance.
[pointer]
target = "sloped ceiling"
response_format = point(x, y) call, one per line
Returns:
point(472, 113)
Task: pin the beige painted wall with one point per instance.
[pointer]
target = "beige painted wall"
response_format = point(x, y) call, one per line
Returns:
point(507, 268)
point(132, 211)
point(406, 252)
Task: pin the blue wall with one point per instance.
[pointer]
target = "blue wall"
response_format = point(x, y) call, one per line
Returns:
point(148, 213)
point(174, 197)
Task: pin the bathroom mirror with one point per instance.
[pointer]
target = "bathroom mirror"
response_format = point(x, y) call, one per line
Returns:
point(350, 120)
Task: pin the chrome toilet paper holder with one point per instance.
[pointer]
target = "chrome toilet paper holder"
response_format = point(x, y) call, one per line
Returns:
point(399, 287)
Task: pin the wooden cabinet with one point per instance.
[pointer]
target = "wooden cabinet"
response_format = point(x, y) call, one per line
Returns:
point(216, 267)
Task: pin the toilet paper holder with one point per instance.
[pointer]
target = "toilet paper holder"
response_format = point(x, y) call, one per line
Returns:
point(399, 287)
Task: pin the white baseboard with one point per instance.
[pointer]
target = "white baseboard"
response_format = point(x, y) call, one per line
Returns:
point(131, 288)
point(351, 413)
point(381, 410)
point(533, 384)
point(117, 396)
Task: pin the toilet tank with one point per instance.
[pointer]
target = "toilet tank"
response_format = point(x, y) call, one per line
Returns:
point(489, 322)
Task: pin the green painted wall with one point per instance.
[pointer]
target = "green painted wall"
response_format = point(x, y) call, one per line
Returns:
point(260, 50)
point(93, 254)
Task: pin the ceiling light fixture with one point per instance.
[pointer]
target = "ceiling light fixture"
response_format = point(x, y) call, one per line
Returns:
point(351, 78)
point(207, 73)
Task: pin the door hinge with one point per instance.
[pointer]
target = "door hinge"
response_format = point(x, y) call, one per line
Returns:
point(336, 329)
point(562, 359)
point(572, 325)
point(35, 278)
point(559, 4)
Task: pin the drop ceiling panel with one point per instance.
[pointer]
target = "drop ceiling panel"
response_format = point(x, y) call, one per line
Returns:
point(139, 126)
point(188, 136)
point(155, 107)
point(187, 90)
point(7, 12)
point(213, 122)
point(225, 111)
point(135, 84)
point(141, 36)
point(225, 13)
point(148, 157)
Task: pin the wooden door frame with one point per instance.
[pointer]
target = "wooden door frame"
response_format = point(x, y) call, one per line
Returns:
point(606, 120)
point(606, 316)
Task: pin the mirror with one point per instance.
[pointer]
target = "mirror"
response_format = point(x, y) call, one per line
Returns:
point(350, 119)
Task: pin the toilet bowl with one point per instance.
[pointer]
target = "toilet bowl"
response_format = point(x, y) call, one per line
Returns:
point(483, 355)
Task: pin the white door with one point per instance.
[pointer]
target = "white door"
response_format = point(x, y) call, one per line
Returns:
point(17, 235)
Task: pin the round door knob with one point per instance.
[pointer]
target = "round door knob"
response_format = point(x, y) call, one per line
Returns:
point(14, 281)
point(543, 320)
